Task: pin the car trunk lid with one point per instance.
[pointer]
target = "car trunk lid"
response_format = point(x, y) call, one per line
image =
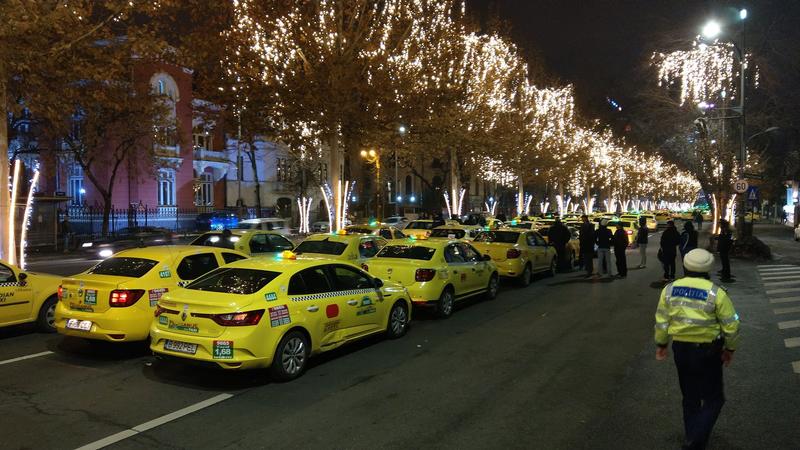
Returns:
point(197, 313)
point(401, 271)
point(89, 293)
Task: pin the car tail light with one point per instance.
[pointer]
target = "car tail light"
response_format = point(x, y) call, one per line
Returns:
point(513, 253)
point(629, 232)
point(159, 311)
point(424, 274)
point(120, 298)
point(239, 319)
point(60, 292)
point(365, 267)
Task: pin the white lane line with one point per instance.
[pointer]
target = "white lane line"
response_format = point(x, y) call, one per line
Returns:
point(767, 266)
point(783, 291)
point(784, 300)
point(792, 342)
point(23, 358)
point(793, 309)
point(796, 366)
point(789, 324)
point(114, 438)
point(780, 283)
point(779, 272)
point(781, 277)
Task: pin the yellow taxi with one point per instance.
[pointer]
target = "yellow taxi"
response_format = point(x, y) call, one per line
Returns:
point(355, 248)
point(494, 223)
point(522, 224)
point(753, 215)
point(437, 273)
point(387, 232)
point(114, 300)
point(456, 231)
point(662, 217)
point(419, 228)
point(650, 220)
point(631, 228)
point(27, 297)
point(250, 242)
point(573, 246)
point(276, 313)
point(517, 253)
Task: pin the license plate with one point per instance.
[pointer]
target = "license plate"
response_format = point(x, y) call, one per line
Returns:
point(82, 325)
point(180, 347)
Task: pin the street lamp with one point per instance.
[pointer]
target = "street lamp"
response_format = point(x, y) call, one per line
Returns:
point(712, 29)
point(374, 157)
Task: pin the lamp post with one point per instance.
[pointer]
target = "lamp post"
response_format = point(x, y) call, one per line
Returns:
point(373, 156)
point(402, 130)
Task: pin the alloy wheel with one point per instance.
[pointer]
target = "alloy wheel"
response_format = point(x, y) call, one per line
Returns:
point(293, 357)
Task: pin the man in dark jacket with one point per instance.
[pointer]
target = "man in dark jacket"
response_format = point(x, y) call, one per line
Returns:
point(688, 240)
point(641, 242)
point(670, 241)
point(587, 240)
point(724, 245)
point(558, 236)
point(620, 244)
point(603, 238)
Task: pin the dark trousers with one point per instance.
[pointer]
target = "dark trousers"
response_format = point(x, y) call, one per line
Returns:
point(588, 262)
point(622, 262)
point(700, 376)
point(669, 265)
point(726, 264)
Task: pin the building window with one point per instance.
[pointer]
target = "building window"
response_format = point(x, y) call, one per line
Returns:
point(204, 193)
point(75, 187)
point(166, 187)
point(201, 141)
point(284, 170)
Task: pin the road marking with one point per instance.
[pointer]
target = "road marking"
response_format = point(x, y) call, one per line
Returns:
point(114, 438)
point(781, 277)
point(793, 309)
point(792, 342)
point(796, 366)
point(789, 324)
point(784, 300)
point(784, 270)
point(22, 358)
point(767, 266)
point(783, 291)
point(781, 283)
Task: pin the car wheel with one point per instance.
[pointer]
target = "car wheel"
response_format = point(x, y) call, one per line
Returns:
point(492, 287)
point(291, 356)
point(553, 267)
point(525, 278)
point(46, 320)
point(446, 304)
point(398, 321)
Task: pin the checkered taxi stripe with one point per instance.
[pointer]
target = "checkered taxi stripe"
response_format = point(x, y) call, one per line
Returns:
point(324, 295)
point(14, 284)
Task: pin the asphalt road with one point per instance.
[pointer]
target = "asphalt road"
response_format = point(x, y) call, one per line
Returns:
point(564, 363)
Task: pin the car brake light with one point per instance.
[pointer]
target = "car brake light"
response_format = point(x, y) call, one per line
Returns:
point(235, 319)
point(424, 274)
point(60, 292)
point(629, 232)
point(161, 310)
point(513, 253)
point(120, 298)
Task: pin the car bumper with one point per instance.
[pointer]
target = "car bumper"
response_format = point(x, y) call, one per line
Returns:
point(113, 325)
point(247, 354)
point(510, 267)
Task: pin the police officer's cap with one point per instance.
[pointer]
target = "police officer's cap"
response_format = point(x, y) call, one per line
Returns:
point(698, 260)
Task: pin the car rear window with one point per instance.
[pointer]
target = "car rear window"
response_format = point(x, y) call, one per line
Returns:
point(325, 247)
point(233, 281)
point(524, 226)
point(444, 233)
point(504, 237)
point(359, 230)
point(124, 267)
point(420, 225)
point(407, 252)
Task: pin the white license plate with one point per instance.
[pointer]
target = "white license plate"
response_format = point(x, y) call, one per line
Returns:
point(180, 347)
point(82, 325)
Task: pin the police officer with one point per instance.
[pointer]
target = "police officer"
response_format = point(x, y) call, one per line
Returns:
point(699, 317)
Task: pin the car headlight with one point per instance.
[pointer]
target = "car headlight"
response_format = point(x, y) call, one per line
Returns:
point(87, 244)
point(105, 253)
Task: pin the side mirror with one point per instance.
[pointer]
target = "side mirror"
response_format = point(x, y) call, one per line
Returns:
point(22, 277)
point(378, 283)
point(487, 258)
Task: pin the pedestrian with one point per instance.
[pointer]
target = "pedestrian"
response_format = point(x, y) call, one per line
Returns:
point(641, 242)
point(620, 244)
point(784, 217)
point(603, 240)
point(66, 229)
point(698, 218)
point(724, 245)
point(587, 241)
point(688, 240)
point(670, 240)
point(700, 319)
point(558, 236)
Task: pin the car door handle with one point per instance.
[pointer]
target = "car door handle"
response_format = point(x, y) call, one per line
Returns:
point(352, 302)
point(312, 308)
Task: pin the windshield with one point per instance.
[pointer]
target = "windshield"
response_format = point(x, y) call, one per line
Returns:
point(407, 252)
point(325, 247)
point(420, 225)
point(233, 281)
point(446, 233)
point(359, 230)
point(124, 267)
point(504, 237)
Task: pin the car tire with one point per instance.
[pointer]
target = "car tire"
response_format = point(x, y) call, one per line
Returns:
point(397, 325)
point(291, 356)
point(524, 279)
point(553, 267)
point(46, 319)
point(492, 287)
point(446, 304)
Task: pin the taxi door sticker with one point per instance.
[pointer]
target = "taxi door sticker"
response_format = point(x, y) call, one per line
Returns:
point(279, 315)
point(90, 298)
point(165, 272)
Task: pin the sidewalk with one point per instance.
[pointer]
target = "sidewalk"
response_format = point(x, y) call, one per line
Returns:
point(780, 239)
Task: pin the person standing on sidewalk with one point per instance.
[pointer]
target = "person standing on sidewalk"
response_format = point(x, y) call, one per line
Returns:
point(587, 239)
point(66, 229)
point(698, 218)
point(724, 245)
point(641, 242)
point(688, 240)
point(603, 240)
point(558, 235)
point(670, 240)
point(620, 245)
point(700, 319)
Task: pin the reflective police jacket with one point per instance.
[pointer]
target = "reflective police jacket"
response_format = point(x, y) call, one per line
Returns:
point(696, 310)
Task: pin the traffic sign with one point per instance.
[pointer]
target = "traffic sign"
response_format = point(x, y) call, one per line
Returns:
point(740, 186)
point(752, 193)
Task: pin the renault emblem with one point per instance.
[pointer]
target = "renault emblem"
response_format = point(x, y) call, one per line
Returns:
point(389, 270)
point(184, 314)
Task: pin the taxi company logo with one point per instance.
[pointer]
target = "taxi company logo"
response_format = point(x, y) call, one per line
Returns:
point(389, 270)
point(190, 327)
